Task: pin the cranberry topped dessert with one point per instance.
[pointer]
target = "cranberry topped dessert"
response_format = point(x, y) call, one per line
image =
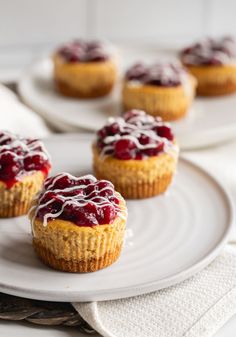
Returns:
point(135, 136)
point(21, 156)
point(85, 69)
point(164, 75)
point(137, 153)
point(213, 63)
point(82, 51)
point(164, 90)
point(24, 164)
point(210, 52)
point(78, 223)
point(85, 201)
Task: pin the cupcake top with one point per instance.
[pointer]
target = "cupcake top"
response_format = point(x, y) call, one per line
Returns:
point(83, 51)
point(210, 52)
point(136, 135)
point(84, 200)
point(20, 157)
point(164, 75)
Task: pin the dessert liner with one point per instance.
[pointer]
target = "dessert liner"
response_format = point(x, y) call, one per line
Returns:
point(68, 90)
point(214, 80)
point(77, 266)
point(17, 200)
point(169, 103)
point(65, 246)
point(145, 189)
point(84, 80)
point(137, 179)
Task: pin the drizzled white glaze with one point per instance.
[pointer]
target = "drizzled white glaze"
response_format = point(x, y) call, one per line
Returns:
point(78, 200)
point(222, 51)
point(167, 74)
point(80, 48)
point(17, 142)
point(138, 125)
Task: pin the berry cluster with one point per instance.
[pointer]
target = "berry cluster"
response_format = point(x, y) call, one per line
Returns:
point(19, 156)
point(210, 52)
point(135, 136)
point(81, 51)
point(165, 75)
point(84, 201)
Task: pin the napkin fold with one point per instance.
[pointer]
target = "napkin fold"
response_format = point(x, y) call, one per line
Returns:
point(17, 118)
point(197, 307)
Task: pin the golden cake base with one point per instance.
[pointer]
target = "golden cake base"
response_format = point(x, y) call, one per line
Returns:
point(73, 266)
point(142, 190)
point(170, 103)
point(214, 80)
point(67, 90)
point(137, 179)
point(65, 246)
point(84, 80)
point(16, 201)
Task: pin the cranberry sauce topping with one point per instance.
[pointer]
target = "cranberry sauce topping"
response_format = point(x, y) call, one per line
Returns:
point(135, 136)
point(19, 156)
point(165, 75)
point(210, 52)
point(81, 51)
point(84, 201)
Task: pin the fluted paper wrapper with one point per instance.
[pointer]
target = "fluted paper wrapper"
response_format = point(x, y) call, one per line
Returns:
point(65, 246)
point(16, 200)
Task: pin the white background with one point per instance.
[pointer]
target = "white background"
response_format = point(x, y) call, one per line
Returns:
point(29, 28)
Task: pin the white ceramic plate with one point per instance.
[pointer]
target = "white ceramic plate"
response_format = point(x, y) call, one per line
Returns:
point(211, 120)
point(169, 238)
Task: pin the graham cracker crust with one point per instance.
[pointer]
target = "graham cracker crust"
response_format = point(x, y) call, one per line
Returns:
point(69, 91)
point(74, 266)
point(216, 90)
point(141, 190)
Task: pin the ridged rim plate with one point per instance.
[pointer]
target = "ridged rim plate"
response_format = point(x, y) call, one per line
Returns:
point(210, 121)
point(169, 238)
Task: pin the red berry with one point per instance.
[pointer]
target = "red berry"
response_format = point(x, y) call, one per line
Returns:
point(154, 151)
point(165, 132)
point(9, 166)
point(124, 149)
point(34, 162)
point(144, 140)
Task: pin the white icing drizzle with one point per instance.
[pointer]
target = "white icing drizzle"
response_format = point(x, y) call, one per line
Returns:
point(166, 73)
point(17, 142)
point(223, 50)
point(137, 125)
point(102, 46)
point(78, 200)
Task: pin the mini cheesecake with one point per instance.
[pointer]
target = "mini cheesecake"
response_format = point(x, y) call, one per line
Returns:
point(213, 63)
point(85, 69)
point(24, 164)
point(137, 153)
point(165, 90)
point(78, 223)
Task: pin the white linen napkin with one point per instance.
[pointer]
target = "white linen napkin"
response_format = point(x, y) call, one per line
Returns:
point(197, 307)
point(17, 118)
